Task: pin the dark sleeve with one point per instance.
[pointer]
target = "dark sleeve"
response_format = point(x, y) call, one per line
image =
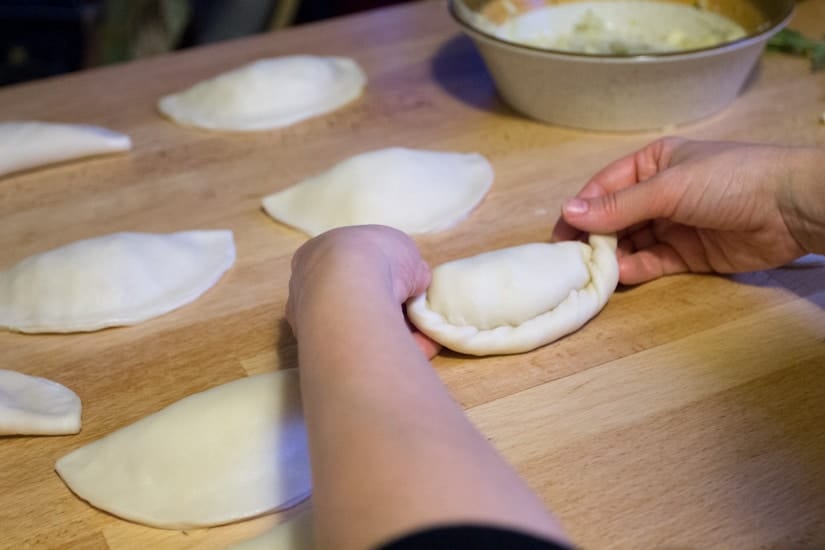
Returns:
point(470, 537)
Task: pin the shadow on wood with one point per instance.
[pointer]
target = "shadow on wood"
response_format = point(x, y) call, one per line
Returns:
point(459, 69)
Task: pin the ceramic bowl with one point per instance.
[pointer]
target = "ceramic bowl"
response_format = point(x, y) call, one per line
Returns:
point(620, 92)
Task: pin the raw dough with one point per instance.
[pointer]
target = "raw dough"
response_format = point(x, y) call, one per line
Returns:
point(30, 144)
point(118, 279)
point(30, 405)
point(269, 93)
point(517, 299)
point(233, 452)
point(293, 534)
point(412, 190)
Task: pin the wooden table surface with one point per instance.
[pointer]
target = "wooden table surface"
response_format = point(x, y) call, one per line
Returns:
point(690, 413)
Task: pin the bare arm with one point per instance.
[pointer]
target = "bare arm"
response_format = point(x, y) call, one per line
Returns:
point(391, 450)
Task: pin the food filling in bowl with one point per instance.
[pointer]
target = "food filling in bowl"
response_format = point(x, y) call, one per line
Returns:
point(618, 28)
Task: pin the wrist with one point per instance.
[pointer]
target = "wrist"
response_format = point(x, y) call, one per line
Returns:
point(343, 296)
point(802, 199)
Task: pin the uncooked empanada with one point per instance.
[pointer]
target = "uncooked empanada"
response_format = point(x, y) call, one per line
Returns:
point(27, 144)
point(293, 534)
point(118, 279)
point(233, 452)
point(516, 299)
point(269, 93)
point(30, 405)
point(412, 190)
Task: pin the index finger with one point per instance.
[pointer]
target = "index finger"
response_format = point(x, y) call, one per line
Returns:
point(632, 169)
point(617, 175)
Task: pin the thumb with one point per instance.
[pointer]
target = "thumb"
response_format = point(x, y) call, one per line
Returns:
point(613, 212)
point(423, 276)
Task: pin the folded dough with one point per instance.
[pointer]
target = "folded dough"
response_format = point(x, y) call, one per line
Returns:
point(118, 279)
point(30, 144)
point(516, 299)
point(233, 452)
point(269, 93)
point(30, 405)
point(413, 190)
point(293, 534)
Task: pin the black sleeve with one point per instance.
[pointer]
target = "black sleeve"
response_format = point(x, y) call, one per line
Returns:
point(470, 537)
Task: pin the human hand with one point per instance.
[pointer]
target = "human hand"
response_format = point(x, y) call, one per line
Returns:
point(373, 263)
point(681, 205)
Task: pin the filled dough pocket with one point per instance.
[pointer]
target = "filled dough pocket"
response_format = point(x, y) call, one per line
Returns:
point(113, 280)
point(268, 93)
point(233, 452)
point(517, 299)
point(30, 405)
point(413, 190)
point(29, 144)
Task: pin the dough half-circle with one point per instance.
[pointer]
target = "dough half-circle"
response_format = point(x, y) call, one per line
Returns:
point(516, 299)
point(268, 93)
point(30, 144)
point(113, 280)
point(30, 405)
point(235, 451)
point(413, 190)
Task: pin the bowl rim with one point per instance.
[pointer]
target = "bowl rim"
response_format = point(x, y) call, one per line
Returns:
point(739, 43)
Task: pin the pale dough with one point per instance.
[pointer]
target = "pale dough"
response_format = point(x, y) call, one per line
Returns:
point(28, 144)
point(293, 534)
point(236, 451)
point(118, 279)
point(30, 405)
point(517, 299)
point(415, 191)
point(268, 93)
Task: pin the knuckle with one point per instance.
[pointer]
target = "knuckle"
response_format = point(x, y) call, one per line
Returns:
point(609, 204)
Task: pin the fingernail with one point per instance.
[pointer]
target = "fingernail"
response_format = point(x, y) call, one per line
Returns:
point(576, 206)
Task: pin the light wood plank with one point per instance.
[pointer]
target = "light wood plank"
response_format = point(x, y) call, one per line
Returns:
point(714, 440)
point(688, 413)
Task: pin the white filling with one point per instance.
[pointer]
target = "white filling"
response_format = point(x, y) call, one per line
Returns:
point(623, 28)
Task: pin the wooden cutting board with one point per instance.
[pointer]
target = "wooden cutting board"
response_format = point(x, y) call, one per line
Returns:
point(690, 413)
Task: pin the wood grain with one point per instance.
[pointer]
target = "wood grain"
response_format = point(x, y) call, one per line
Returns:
point(688, 414)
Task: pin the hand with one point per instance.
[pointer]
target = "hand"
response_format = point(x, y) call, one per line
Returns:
point(681, 205)
point(371, 262)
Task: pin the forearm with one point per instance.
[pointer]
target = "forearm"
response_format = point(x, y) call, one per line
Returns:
point(391, 450)
point(802, 199)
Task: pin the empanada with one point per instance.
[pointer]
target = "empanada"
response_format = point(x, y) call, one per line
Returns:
point(118, 279)
point(30, 405)
point(268, 93)
point(27, 144)
point(516, 299)
point(413, 190)
point(232, 452)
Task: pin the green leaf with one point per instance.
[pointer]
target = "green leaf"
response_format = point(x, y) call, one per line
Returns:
point(818, 57)
point(795, 43)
